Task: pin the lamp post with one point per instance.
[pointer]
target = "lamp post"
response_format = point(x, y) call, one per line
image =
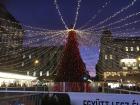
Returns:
point(36, 62)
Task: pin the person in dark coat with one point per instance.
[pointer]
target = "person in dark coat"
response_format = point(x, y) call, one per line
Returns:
point(56, 99)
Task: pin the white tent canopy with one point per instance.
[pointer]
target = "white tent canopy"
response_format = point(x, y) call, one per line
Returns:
point(16, 76)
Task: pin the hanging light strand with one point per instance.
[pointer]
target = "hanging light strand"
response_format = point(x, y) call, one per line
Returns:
point(59, 13)
point(77, 13)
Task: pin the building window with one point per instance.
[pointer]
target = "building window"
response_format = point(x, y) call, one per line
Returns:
point(30, 56)
point(132, 48)
point(126, 48)
point(22, 64)
point(34, 74)
point(128, 63)
point(138, 49)
point(47, 73)
point(41, 73)
point(111, 57)
point(134, 64)
point(23, 56)
point(28, 73)
point(125, 68)
point(105, 56)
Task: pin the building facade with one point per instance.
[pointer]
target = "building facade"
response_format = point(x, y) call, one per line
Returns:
point(20, 59)
point(119, 58)
point(40, 61)
point(11, 39)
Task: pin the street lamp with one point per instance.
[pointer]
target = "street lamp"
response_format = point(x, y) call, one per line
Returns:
point(36, 61)
point(138, 58)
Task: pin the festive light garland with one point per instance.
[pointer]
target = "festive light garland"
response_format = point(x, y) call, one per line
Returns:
point(119, 21)
point(25, 26)
point(94, 17)
point(61, 17)
point(41, 37)
point(115, 14)
point(77, 13)
point(28, 61)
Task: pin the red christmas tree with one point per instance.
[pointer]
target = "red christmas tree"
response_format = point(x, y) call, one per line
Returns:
point(71, 67)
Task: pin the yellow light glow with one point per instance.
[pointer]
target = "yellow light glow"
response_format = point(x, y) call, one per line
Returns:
point(114, 85)
point(68, 30)
point(36, 61)
point(128, 60)
point(138, 58)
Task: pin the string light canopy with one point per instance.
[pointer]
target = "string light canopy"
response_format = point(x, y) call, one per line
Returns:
point(47, 42)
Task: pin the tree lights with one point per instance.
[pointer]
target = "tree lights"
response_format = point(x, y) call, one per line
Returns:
point(71, 68)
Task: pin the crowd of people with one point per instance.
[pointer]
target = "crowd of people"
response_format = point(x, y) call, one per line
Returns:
point(131, 88)
point(72, 87)
point(15, 84)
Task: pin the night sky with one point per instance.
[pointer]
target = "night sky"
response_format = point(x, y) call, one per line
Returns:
point(42, 13)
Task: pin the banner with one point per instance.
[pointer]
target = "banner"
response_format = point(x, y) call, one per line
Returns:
point(90, 99)
point(104, 99)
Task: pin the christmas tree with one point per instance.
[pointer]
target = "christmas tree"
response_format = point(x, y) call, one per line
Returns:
point(71, 67)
